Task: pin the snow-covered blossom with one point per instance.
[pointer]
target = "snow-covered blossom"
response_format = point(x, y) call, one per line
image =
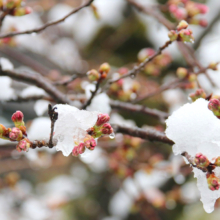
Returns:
point(195, 129)
point(71, 127)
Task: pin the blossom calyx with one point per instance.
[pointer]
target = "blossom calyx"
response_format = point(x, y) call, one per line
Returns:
point(4, 132)
point(213, 181)
point(214, 106)
point(201, 160)
point(93, 75)
point(102, 119)
point(217, 161)
point(199, 93)
point(182, 25)
point(23, 145)
point(106, 129)
point(173, 35)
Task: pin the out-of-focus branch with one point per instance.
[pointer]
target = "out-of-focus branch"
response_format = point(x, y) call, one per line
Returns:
point(138, 68)
point(36, 30)
point(138, 108)
point(146, 134)
point(37, 80)
point(71, 79)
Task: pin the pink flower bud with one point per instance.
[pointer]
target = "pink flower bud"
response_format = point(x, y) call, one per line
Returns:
point(203, 23)
point(200, 93)
point(214, 106)
point(102, 119)
point(213, 181)
point(93, 75)
point(17, 117)
point(172, 35)
point(203, 9)
point(123, 70)
point(90, 142)
point(81, 148)
point(173, 8)
point(106, 129)
point(104, 68)
point(186, 35)
point(180, 14)
point(15, 134)
point(201, 160)
point(182, 25)
point(23, 145)
point(75, 151)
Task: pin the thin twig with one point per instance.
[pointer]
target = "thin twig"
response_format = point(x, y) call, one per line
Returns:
point(71, 79)
point(139, 108)
point(146, 134)
point(138, 68)
point(93, 93)
point(53, 117)
point(37, 80)
point(36, 30)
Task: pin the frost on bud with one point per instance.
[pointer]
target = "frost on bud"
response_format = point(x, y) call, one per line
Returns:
point(15, 134)
point(172, 35)
point(93, 75)
point(217, 161)
point(104, 68)
point(102, 119)
point(182, 25)
point(23, 145)
point(201, 160)
point(213, 66)
point(214, 106)
point(90, 142)
point(186, 35)
point(213, 181)
point(145, 53)
point(182, 72)
point(199, 93)
point(17, 118)
point(106, 129)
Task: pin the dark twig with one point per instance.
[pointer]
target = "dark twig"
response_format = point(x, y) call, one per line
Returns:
point(139, 108)
point(53, 117)
point(36, 30)
point(37, 80)
point(93, 93)
point(71, 79)
point(147, 134)
point(28, 99)
point(133, 72)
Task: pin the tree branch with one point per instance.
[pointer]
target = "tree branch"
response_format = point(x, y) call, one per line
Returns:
point(36, 30)
point(39, 81)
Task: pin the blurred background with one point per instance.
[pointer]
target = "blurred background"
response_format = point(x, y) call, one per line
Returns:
point(125, 177)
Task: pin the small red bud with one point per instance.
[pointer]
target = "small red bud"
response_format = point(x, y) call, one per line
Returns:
point(15, 134)
point(102, 119)
point(213, 181)
point(23, 145)
point(214, 106)
point(199, 93)
point(106, 129)
point(182, 25)
point(104, 68)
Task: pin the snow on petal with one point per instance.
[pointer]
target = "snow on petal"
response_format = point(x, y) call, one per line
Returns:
point(71, 126)
point(195, 129)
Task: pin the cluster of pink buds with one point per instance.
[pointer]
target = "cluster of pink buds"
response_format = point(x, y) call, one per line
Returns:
point(95, 75)
point(188, 10)
point(182, 33)
point(199, 93)
point(213, 181)
point(100, 128)
point(201, 160)
point(17, 133)
point(154, 67)
point(14, 7)
point(117, 91)
point(214, 106)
